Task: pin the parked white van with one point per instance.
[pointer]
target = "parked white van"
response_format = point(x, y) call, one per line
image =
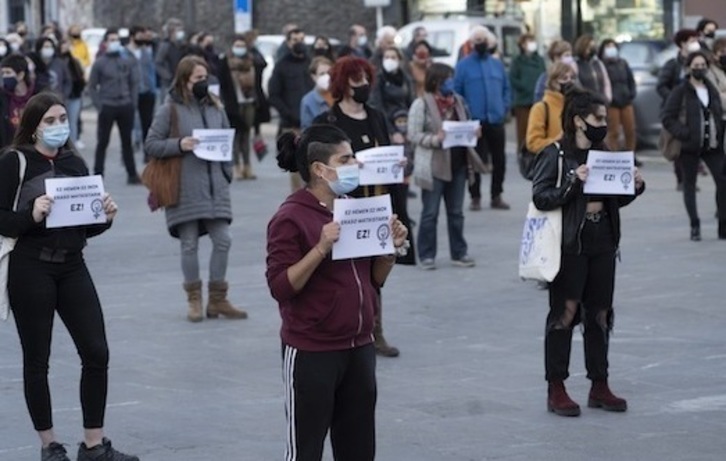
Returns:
point(448, 34)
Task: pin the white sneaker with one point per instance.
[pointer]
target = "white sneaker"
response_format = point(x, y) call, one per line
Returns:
point(464, 261)
point(428, 264)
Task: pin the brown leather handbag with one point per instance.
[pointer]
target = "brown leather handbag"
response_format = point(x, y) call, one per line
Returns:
point(162, 176)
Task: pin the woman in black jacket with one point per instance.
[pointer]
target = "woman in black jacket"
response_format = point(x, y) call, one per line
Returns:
point(47, 274)
point(393, 94)
point(590, 239)
point(694, 116)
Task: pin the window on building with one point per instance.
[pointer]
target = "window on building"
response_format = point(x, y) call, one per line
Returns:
point(16, 11)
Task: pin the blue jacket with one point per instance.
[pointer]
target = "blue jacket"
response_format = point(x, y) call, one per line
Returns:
point(483, 83)
point(312, 105)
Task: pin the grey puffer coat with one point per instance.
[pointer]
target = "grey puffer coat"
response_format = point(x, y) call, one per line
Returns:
point(204, 191)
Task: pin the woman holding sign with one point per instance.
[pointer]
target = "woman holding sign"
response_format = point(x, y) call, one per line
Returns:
point(327, 306)
point(583, 289)
point(441, 173)
point(47, 274)
point(350, 83)
point(204, 205)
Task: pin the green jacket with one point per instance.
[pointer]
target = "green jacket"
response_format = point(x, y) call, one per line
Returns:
point(523, 73)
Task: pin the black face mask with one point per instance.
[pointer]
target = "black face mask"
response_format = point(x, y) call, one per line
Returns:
point(595, 134)
point(482, 49)
point(361, 94)
point(320, 51)
point(710, 35)
point(200, 90)
point(722, 60)
point(566, 87)
point(698, 74)
point(299, 49)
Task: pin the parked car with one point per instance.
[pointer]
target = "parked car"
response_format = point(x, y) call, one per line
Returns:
point(645, 58)
point(449, 34)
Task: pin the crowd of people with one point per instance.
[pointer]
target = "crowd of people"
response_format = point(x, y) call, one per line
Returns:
point(332, 103)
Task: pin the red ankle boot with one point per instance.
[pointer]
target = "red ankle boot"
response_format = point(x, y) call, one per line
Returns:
point(559, 402)
point(602, 397)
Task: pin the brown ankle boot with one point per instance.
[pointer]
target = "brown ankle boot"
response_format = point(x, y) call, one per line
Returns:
point(194, 298)
point(601, 397)
point(559, 402)
point(218, 304)
point(238, 172)
point(247, 172)
point(382, 347)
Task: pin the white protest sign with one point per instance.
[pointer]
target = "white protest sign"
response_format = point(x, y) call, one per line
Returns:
point(610, 173)
point(381, 165)
point(365, 228)
point(460, 134)
point(214, 145)
point(77, 201)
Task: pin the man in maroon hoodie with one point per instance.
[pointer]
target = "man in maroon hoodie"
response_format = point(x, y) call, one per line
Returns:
point(326, 306)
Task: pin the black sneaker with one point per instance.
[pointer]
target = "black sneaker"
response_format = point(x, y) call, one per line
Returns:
point(103, 452)
point(54, 452)
point(133, 180)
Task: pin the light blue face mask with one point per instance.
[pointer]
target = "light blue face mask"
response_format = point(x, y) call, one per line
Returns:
point(54, 136)
point(113, 47)
point(348, 178)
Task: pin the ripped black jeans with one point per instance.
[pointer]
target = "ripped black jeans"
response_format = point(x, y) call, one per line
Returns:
point(583, 288)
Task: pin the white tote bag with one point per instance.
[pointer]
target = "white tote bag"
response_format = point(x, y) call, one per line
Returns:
point(540, 252)
point(7, 245)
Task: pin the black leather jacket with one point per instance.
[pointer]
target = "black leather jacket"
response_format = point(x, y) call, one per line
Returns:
point(547, 196)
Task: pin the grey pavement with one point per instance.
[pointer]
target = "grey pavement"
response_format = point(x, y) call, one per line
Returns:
point(469, 384)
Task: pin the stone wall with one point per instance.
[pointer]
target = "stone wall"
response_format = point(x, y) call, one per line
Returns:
point(324, 17)
point(209, 15)
point(328, 17)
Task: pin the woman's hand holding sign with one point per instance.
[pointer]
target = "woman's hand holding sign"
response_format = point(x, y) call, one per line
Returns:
point(109, 207)
point(328, 236)
point(41, 207)
point(399, 232)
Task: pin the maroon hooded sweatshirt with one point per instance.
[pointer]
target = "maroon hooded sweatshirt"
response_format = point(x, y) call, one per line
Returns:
point(334, 310)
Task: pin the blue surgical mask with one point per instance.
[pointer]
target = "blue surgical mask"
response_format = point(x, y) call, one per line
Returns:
point(239, 51)
point(447, 88)
point(54, 136)
point(114, 47)
point(348, 178)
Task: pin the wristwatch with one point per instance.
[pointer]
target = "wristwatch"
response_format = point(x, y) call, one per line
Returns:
point(403, 249)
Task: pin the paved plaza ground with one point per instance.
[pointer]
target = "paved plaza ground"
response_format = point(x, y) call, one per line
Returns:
point(469, 384)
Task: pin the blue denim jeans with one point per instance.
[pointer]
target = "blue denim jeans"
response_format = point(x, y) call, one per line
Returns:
point(453, 195)
point(73, 107)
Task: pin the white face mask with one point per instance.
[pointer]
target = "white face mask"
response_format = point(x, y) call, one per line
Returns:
point(362, 40)
point(692, 47)
point(47, 53)
point(323, 82)
point(3, 50)
point(390, 65)
point(14, 47)
point(610, 52)
point(531, 47)
point(239, 51)
point(179, 35)
point(567, 59)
